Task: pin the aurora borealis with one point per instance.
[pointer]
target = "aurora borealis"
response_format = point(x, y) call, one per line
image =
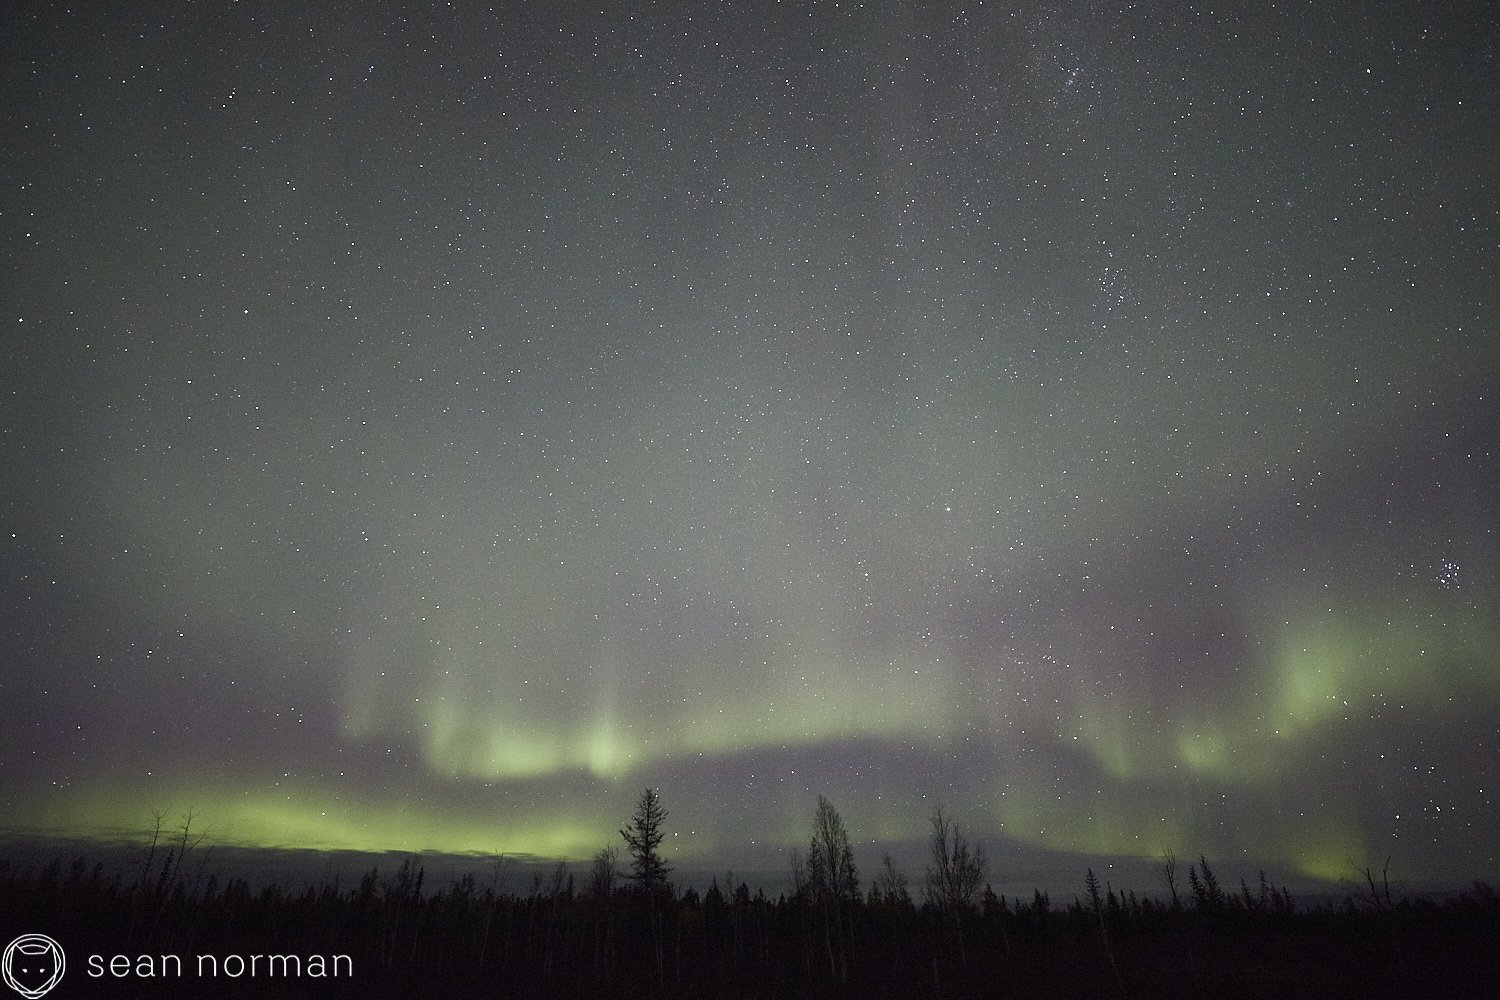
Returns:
point(424, 427)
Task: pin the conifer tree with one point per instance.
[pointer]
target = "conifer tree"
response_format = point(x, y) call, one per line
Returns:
point(643, 836)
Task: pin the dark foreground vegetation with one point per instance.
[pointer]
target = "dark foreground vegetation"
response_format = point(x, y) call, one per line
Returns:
point(623, 935)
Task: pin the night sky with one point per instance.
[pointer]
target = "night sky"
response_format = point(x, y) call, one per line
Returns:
point(424, 427)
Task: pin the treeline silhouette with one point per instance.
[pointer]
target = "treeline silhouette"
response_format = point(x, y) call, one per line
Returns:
point(617, 936)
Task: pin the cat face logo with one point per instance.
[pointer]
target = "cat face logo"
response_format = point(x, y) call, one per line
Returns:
point(33, 964)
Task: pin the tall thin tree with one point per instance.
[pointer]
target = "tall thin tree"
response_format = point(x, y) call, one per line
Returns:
point(957, 869)
point(955, 874)
point(834, 882)
point(643, 836)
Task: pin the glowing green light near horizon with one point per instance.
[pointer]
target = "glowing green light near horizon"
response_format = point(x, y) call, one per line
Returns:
point(1253, 738)
point(309, 817)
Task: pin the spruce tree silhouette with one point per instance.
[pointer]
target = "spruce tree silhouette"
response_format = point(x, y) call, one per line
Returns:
point(643, 836)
